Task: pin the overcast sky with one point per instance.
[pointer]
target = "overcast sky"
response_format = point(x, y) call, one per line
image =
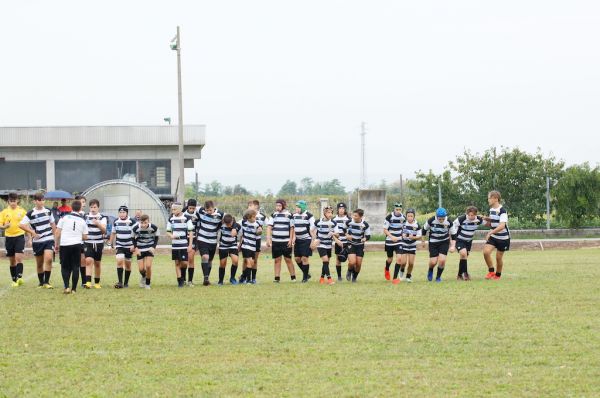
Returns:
point(283, 86)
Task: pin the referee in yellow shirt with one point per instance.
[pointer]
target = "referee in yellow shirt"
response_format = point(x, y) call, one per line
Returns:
point(10, 218)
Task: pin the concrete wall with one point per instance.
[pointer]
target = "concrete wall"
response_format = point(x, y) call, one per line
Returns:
point(374, 203)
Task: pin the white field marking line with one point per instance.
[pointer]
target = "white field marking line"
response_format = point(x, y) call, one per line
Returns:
point(5, 290)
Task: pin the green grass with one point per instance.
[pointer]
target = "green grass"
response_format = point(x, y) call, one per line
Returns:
point(535, 333)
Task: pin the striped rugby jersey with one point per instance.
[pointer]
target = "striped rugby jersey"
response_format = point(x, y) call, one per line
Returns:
point(226, 241)
point(412, 229)
point(122, 229)
point(95, 234)
point(341, 225)
point(281, 224)
point(145, 239)
point(41, 222)
point(394, 223)
point(438, 231)
point(465, 228)
point(325, 230)
point(180, 227)
point(303, 223)
point(208, 225)
point(193, 217)
point(249, 235)
point(497, 216)
point(358, 231)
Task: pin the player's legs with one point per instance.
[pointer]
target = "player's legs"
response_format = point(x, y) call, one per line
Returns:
point(441, 264)
point(290, 267)
point(148, 268)
point(39, 263)
point(487, 256)
point(499, 262)
point(47, 266)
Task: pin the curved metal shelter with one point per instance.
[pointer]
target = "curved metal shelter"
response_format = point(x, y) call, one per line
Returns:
point(115, 193)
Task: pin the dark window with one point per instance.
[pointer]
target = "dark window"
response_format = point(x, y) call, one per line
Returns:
point(79, 175)
point(22, 175)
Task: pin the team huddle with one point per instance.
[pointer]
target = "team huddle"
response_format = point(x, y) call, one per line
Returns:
point(79, 239)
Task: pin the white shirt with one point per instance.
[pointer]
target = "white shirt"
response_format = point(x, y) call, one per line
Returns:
point(72, 228)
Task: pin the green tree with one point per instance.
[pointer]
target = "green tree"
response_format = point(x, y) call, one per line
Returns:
point(577, 194)
point(427, 187)
point(289, 188)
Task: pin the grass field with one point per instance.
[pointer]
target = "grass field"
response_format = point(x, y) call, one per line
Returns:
point(534, 333)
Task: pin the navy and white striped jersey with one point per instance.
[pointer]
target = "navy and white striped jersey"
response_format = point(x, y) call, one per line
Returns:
point(249, 235)
point(208, 225)
point(412, 230)
point(325, 230)
point(358, 231)
point(193, 217)
point(281, 224)
point(261, 219)
point(226, 240)
point(303, 223)
point(497, 216)
point(465, 228)
point(145, 238)
point(95, 234)
point(438, 231)
point(41, 222)
point(341, 225)
point(122, 228)
point(180, 227)
point(393, 224)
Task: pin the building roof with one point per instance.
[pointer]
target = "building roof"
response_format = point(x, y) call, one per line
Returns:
point(100, 136)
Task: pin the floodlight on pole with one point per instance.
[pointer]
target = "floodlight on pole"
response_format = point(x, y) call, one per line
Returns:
point(176, 46)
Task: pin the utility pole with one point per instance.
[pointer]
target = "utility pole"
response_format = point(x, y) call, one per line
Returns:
point(176, 46)
point(547, 202)
point(363, 171)
point(439, 193)
point(401, 189)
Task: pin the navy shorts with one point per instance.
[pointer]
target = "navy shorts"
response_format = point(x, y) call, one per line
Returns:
point(461, 244)
point(207, 249)
point(179, 254)
point(224, 253)
point(281, 249)
point(14, 244)
point(302, 248)
point(145, 254)
point(438, 248)
point(94, 250)
point(247, 253)
point(125, 250)
point(324, 252)
point(502, 245)
point(390, 250)
point(40, 247)
point(357, 250)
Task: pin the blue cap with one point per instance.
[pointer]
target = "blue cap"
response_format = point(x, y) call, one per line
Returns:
point(441, 212)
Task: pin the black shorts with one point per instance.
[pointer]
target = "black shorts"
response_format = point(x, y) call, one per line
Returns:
point(502, 245)
point(14, 244)
point(461, 244)
point(324, 252)
point(302, 248)
point(246, 253)
point(281, 249)
point(338, 248)
point(94, 250)
point(207, 249)
point(437, 248)
point(390, 250)
point(145, 254)
point(224, 253)
point(258, 245)
point(40, 247)
point(126, 251)
point(408, 249)
point(358, 250)
point(179, 254)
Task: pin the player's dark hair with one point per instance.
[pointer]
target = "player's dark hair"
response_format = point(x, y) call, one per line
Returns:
point(209, 204)
point(38, 196)
point(227, 219)
point(495, 194)
point(144, 217)
point(79, 197)
point(360, 212)
point(76, 205)
point(94, 202)
point(472, 209)
point(192, 202)
point(13, 196)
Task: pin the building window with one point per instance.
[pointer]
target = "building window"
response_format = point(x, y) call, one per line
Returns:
point(155, 174)
point(79, 175)
point(22, 175)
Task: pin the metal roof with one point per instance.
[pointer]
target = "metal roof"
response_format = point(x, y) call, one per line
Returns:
point(86, 136)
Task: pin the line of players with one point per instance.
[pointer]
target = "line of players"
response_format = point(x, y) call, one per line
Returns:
point(203, 230)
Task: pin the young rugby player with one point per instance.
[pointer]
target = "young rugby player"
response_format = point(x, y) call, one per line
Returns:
point(228, 247)
point(261, 219)
point(71, 231)
point(392, 228)
point(325, 229)
point(465, 227)
point(250, 232)
point(40, 224)
point(498, 238)
point(209, 223)
point(304, 235)
point(411, 233)
point(280, 235)
point(145, 239)
point(94, 245)
point(440, 229)
point(10, 219)
point(341, 243)
point(181, 232)
point(122, 241)
point(83, 268)
point(358, 233)
point(191, 215)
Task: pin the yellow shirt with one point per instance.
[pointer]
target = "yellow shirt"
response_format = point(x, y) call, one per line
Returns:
point(14, 217)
